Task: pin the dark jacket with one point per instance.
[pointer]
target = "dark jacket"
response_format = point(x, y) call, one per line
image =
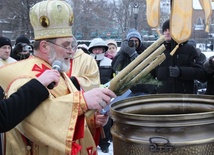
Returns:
point(21, 103)
point(209, 67)
point(190, 70)
point(122, 59)
point(105, 69)
point(210, 85)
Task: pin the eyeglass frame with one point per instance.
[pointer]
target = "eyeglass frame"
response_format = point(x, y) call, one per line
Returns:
point(72, 48)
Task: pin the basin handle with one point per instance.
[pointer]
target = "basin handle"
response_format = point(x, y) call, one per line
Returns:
point(160, 144)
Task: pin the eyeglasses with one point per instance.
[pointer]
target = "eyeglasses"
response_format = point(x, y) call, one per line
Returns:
point(72, 48)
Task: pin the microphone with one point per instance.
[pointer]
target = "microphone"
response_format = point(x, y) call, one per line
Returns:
point(57, 65)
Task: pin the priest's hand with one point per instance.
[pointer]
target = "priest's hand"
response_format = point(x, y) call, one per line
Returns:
point(98, 98)
point(49, 76)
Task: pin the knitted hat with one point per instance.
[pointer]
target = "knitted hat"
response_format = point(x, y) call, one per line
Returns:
point(133, 34)
point(111, 42)
point(22, 39)
point(51, 19)
point(165, 25)
point(192, 42)
point(5, 41)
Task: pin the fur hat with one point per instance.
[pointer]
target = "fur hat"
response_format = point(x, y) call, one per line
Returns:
point(165, 25)
point(133, 34)
point(22, 39)
point(5, 41)
point(51, 19)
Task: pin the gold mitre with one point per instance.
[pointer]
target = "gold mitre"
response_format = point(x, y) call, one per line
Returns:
point(51, 19)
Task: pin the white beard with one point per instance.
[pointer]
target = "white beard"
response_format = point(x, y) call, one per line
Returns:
point(53, 57)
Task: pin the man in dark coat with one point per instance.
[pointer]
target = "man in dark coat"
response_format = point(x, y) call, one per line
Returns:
point(131, 47)
point(178, 72)
point(22, 49)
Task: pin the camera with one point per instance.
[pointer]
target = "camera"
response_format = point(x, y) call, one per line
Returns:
point(26, 47)
point(132, 43)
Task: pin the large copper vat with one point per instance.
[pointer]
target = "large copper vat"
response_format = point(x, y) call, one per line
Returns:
point(167, 124)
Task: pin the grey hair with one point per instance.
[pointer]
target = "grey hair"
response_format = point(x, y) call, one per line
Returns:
point(74, 43)
point(37, 43)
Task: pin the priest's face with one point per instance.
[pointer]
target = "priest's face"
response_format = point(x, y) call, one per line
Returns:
point(61, 49)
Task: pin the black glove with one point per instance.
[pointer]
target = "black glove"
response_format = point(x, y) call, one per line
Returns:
point(174, 71)
point(129, 50)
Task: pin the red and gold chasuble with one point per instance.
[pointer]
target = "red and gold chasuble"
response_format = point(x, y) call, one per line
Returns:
point(85, 69)
point(57, 126)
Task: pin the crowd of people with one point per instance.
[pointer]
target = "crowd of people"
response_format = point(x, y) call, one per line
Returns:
point(42, 121)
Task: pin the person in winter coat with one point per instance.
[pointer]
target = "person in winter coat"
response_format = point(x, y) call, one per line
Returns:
point(209, 67)
point(201, 59)
point(130, 48)
point(201, 56)
point(97, 49)
point(112, 49)
point(5, 50)
point(178, 72)
point(23, 48)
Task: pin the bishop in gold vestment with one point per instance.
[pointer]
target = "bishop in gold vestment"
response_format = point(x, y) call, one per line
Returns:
point(58, 126)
